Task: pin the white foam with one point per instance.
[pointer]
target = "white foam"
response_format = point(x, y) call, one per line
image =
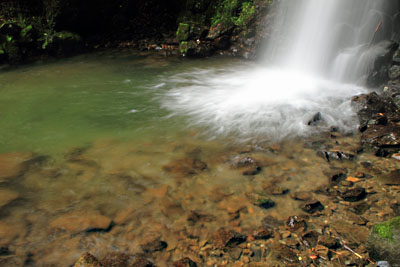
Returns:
point(261, 103)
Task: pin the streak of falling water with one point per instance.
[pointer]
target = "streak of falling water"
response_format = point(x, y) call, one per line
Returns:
point(317, 53)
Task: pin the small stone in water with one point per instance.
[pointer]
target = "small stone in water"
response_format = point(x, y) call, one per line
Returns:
point(312, 206)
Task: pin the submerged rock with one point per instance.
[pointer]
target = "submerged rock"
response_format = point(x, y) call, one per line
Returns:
point(312, 206)
point(185, 262)
point(154, 245)
point(76, 222)
point(384, 242)
point(355, 194)
point(87, 260)
point(116, 259)
point(186, 167)
point(6, 196)
point(223, 238)
point(12, 164)
point(260, 200)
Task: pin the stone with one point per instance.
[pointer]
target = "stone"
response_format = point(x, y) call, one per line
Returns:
point(116, 259)
point(87, 260)
point(76, 222)
point(271, 222)
point(260, 200)
point(353, 195)
point(154, 245)
point(9, 232)
point(315, 120)
point(394, 72)
point(6, 196)
point(185, 262)
point(301, 195)
point(310, 239)
point(296, 223)
point(183, 31)
point(336, 155)
point(312, 206)
point(223, 238)
point(11, 164)
point(392, 178)
point(384, 242)
point(186, 167)
point(328, 241)
point(262, 234)
point(142, 262)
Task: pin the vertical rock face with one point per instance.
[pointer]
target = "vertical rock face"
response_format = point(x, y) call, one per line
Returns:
point(384, 242)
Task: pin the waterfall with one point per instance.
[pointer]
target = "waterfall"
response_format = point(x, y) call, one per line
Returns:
point(332, 38)
point(314, 60)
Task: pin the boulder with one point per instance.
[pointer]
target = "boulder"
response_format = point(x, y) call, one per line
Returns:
point(384, 242)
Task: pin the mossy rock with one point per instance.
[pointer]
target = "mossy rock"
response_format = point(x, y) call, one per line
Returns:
point(384, 242)
point(182, 34)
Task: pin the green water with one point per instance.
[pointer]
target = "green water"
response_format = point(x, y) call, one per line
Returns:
point(48, 107)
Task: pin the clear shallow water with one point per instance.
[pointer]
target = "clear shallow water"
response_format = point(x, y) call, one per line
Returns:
point(113, 151)
point(49, 107)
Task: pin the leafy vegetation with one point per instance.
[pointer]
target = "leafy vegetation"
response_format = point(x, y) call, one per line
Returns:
point(386, 229)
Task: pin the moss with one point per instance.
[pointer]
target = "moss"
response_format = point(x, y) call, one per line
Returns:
point(386, 229)
point(182, 34)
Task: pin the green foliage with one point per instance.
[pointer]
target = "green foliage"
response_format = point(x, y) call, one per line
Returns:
point(386, 229)
point(233, 13)
point(245, 16)
point(182, 34)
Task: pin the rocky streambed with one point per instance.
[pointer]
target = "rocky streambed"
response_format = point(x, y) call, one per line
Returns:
point(198, 203)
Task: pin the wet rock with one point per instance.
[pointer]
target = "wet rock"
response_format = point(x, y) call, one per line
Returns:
point(310, 239)
point(223, 238)
point(222, 42)
point(235, 253)
point(301, 195)
point(296, 223)
point(76, 222)
point(4, 251)
point(271, 222)
point(316, 119)
point(328, 241)
point(288, 256)
point(336, 155)
point(251, 170)
point(186, 167)
point(336, 175)
point(262, 234)
point(394, 72)
point(142, 262)
point(154, 245)
point(273, 189)
point(361, 208)
point(195, 217)
point(353, 195)
point(185, 262)
point(87, 260)
point(6, 196)
point(312, 206)
point(393, 178)
point(11, 164)
point(9, 232)
point(116, 259)
point(260, 200)
point(384, 242)
point(382, 136)
point(382, 63)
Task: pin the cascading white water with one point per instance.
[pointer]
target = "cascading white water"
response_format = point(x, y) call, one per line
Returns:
point(317, 53)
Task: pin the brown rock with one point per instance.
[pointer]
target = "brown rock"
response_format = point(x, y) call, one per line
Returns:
point(9, 232)
point(355, 194)
point(223, 238)
point(6, 196)
point(154, 245)
point(142, 262)
point(186, 167)
point(301, 195)
point(393, 178)
point(76, 222)
point(296, 223)
point(328, 241)
point(116, 259)
point(310, 239)
point(11, 164)
point(87, 260)
point(185, 262)
point(264, 233)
